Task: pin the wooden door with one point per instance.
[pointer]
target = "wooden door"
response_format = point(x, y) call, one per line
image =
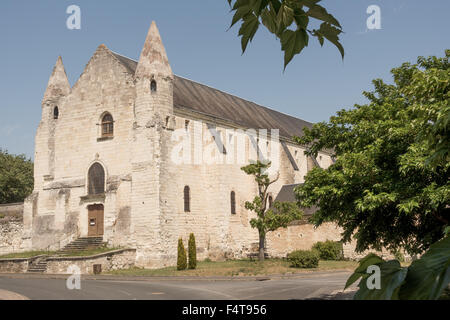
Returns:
point(95, 220)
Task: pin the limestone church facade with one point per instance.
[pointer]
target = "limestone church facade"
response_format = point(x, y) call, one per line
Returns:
point(105, 167)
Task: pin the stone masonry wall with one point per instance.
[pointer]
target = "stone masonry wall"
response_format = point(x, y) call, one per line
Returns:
point(121, 259)
point(11, 228)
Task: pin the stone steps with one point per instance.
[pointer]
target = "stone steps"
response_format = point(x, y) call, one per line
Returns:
point(37, 266)
point(84, 243)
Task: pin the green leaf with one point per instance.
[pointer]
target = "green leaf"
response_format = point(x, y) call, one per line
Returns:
point(430, 275)
point(364, 263)
point(392, 275)
point(332, 34)
point(292, 43)
point(269, 19)
point(320, 13)
point(242, 8)
point(301, 20)
point(369, 260)
point(285, 17)
point(258, 6)
point(248, 30)
point(355, 276)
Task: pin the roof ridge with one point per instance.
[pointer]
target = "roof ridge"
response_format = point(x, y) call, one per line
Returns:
point(116, 53)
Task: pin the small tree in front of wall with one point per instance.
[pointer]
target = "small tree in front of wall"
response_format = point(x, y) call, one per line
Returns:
point(182, 259)
point(268, 219)
point(192, 251)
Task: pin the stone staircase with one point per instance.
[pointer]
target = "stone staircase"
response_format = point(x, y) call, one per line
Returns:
point(84, 243)
point(38, 265)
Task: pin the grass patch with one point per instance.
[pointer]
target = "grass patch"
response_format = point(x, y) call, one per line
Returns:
point(237, 268)
point(24, 255)
point(78, 253)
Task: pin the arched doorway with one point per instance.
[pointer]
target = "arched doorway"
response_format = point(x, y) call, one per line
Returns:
point(95, 220)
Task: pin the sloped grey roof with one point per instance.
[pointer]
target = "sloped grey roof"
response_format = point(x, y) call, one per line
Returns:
point(190, 95)
point(286, 194)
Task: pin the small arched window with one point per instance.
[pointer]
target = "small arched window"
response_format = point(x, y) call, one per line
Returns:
point(107, 125)
point(187, 199)
point(233, 202)
point(270, 201)
point(96, 179)
point(55, 113)
point(153, 86)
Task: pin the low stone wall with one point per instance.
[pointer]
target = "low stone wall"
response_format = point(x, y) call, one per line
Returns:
point(350, 253)
point(11, 210)
point(13, 265)
point(114, 260)
point(303, 236)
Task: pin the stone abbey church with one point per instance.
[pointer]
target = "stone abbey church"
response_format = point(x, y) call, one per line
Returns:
point(103, 164)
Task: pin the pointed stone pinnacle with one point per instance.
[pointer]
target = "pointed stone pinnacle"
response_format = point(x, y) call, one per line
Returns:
point(153, 59)
point(58, 84)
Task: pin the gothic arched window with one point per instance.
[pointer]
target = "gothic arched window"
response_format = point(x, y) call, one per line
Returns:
point(55, 113)
point(153, 86)
point(96, 179)
point(107, 125)
point(233, 202)
point(187, 199)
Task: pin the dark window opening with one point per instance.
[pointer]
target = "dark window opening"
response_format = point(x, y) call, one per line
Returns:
point(187, 199)
point(55, 113)
point(270, 201)
point(96, 179)
point(153, 86)
point(233, 202)
point(107, 125)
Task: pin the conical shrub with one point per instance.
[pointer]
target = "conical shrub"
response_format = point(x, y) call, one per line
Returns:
point(192, 251)
point(182, 259)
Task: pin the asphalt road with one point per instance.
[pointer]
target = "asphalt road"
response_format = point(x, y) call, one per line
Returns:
point(305, 286)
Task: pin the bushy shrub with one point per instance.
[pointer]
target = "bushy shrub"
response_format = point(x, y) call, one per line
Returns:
point(182, 259)
point(329, 250)
point(192, 251)
point(304, 259)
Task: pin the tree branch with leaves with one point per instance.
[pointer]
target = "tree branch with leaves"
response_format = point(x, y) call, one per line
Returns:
point(289, 21)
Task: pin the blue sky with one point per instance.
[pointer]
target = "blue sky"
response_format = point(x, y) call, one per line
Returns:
point(315, 85)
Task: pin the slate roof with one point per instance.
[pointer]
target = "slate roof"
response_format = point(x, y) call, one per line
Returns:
point(286, 194)
point(193, 96)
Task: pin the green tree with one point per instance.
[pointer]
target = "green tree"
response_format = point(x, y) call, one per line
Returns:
point(181, 259)
point(389, 186)
point(16, 177)
point(289, 20)
point(192, 251)
point(268, 219)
